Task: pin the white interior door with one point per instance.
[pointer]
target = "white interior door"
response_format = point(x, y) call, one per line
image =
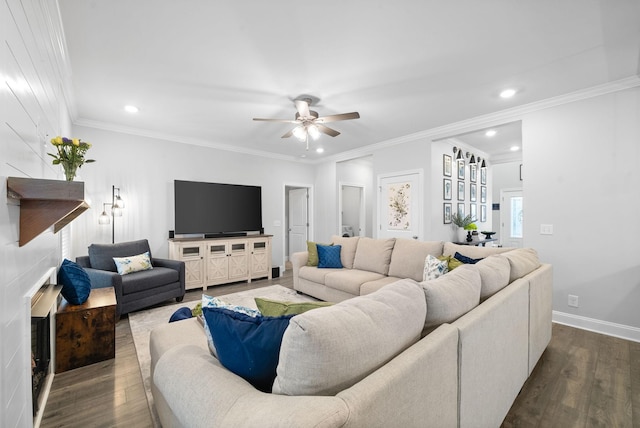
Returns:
point(298, 220)
point(400, 205)
point(511, 218)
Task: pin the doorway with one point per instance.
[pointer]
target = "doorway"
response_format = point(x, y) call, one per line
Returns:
point(511, 218)
point(297, 220)
point(352, 210)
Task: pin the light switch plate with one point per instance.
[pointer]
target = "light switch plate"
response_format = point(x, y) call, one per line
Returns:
point(546, 229)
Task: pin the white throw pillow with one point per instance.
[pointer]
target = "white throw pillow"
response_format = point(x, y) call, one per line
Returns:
point(126, 265)
point(434, 268)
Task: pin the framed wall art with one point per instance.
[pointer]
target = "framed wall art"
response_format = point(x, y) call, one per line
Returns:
point(460, 210)
point(461, 190)
point(446, 212)
point(446, 165)
point(483, 194)
point(483, 175)
point(473, 173)
point(472, 192)
point(446, 189)
point(483, 213)
point(473, 211)
point(460, 166)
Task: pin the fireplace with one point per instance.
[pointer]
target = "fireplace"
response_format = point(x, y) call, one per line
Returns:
point(44, 302)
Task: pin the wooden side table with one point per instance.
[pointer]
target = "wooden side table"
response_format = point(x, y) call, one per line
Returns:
point(86, 334)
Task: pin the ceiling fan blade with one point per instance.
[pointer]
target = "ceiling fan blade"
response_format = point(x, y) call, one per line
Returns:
point(288, 134)
point(303, 108)
point(326, 130)
point(276, 120)
point(337, 117)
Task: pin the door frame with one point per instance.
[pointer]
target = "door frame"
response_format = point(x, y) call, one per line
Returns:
point(285, 223)
point(363, 219)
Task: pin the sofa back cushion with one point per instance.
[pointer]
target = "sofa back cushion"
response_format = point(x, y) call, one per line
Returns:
point(522, 261)
point(374, 255)
point(452, 295)
point(494, 275)
point(408, 256)
point(101, 255)
point(327, 350)
point(472, 251)
point(348, 251)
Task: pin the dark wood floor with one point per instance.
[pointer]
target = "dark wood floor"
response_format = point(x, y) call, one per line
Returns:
point(583, 379)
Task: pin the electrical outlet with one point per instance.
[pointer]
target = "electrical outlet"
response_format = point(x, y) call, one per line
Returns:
point(573, 301)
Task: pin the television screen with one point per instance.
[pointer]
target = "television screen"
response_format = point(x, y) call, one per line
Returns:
point(216, 208)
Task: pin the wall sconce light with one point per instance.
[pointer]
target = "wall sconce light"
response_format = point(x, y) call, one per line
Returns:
point(458, 153)
point(483, 164)
point(472, 161)
point(117, 203)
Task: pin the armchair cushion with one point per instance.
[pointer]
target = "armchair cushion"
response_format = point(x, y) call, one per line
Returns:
point(148, 279)
point(101, 255)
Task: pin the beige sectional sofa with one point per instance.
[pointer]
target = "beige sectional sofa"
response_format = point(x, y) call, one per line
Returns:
point(368, 360)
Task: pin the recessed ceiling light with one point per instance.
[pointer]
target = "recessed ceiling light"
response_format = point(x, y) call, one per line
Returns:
point(319, 150)
point(507, 93)
point(131, 109)
point(490, 133)
point(515, 148)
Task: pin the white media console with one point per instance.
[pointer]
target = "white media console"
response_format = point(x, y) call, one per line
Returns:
point(213, 261)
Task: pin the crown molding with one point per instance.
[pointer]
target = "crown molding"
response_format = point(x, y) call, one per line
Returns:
point(493, 119)
point(182, 140)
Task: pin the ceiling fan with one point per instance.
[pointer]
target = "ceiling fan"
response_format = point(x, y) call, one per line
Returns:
point(309, 123)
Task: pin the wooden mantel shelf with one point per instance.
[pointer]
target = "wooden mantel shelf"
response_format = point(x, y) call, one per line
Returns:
point(45, 203)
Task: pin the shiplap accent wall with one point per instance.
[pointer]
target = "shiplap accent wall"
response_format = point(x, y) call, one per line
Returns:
point(33, 110)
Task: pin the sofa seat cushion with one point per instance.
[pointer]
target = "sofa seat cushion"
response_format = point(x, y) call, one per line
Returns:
point(101, 255)
point(314, 274)
point(523, 261)
point(348, 251)
point(148, 279)
point(327, 350)
point(451, 296)
point(374, 255)
point(494, 275)
point(350, 280)
point(407, 258)
point(373, 286)
point(472, 251)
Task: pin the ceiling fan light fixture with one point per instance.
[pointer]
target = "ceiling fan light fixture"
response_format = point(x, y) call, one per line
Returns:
point(313, 132)
point(300, 133)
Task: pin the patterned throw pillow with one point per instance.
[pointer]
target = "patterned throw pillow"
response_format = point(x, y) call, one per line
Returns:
point(434, 268)
point(329, 256)
point(214, 302)
point(127, 265)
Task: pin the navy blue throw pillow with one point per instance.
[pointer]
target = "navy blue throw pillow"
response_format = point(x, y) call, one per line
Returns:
point(76, 284)
point(329, 256)
point(465, 259)
point(247, 346)
point(181, 314)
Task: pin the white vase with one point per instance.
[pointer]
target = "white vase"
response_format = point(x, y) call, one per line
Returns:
point(462, 235)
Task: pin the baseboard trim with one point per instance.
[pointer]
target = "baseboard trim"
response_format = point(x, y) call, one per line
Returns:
point(597, 326)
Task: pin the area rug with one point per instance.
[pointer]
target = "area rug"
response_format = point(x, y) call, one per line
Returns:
point(142, 322)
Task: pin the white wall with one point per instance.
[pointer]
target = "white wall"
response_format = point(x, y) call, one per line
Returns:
point(582, 175)
point(144, 169)
point(32, 112)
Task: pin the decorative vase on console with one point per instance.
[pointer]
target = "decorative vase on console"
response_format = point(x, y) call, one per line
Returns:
point(465, 225)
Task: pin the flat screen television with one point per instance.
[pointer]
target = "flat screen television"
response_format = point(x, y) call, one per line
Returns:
point(217, 209)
